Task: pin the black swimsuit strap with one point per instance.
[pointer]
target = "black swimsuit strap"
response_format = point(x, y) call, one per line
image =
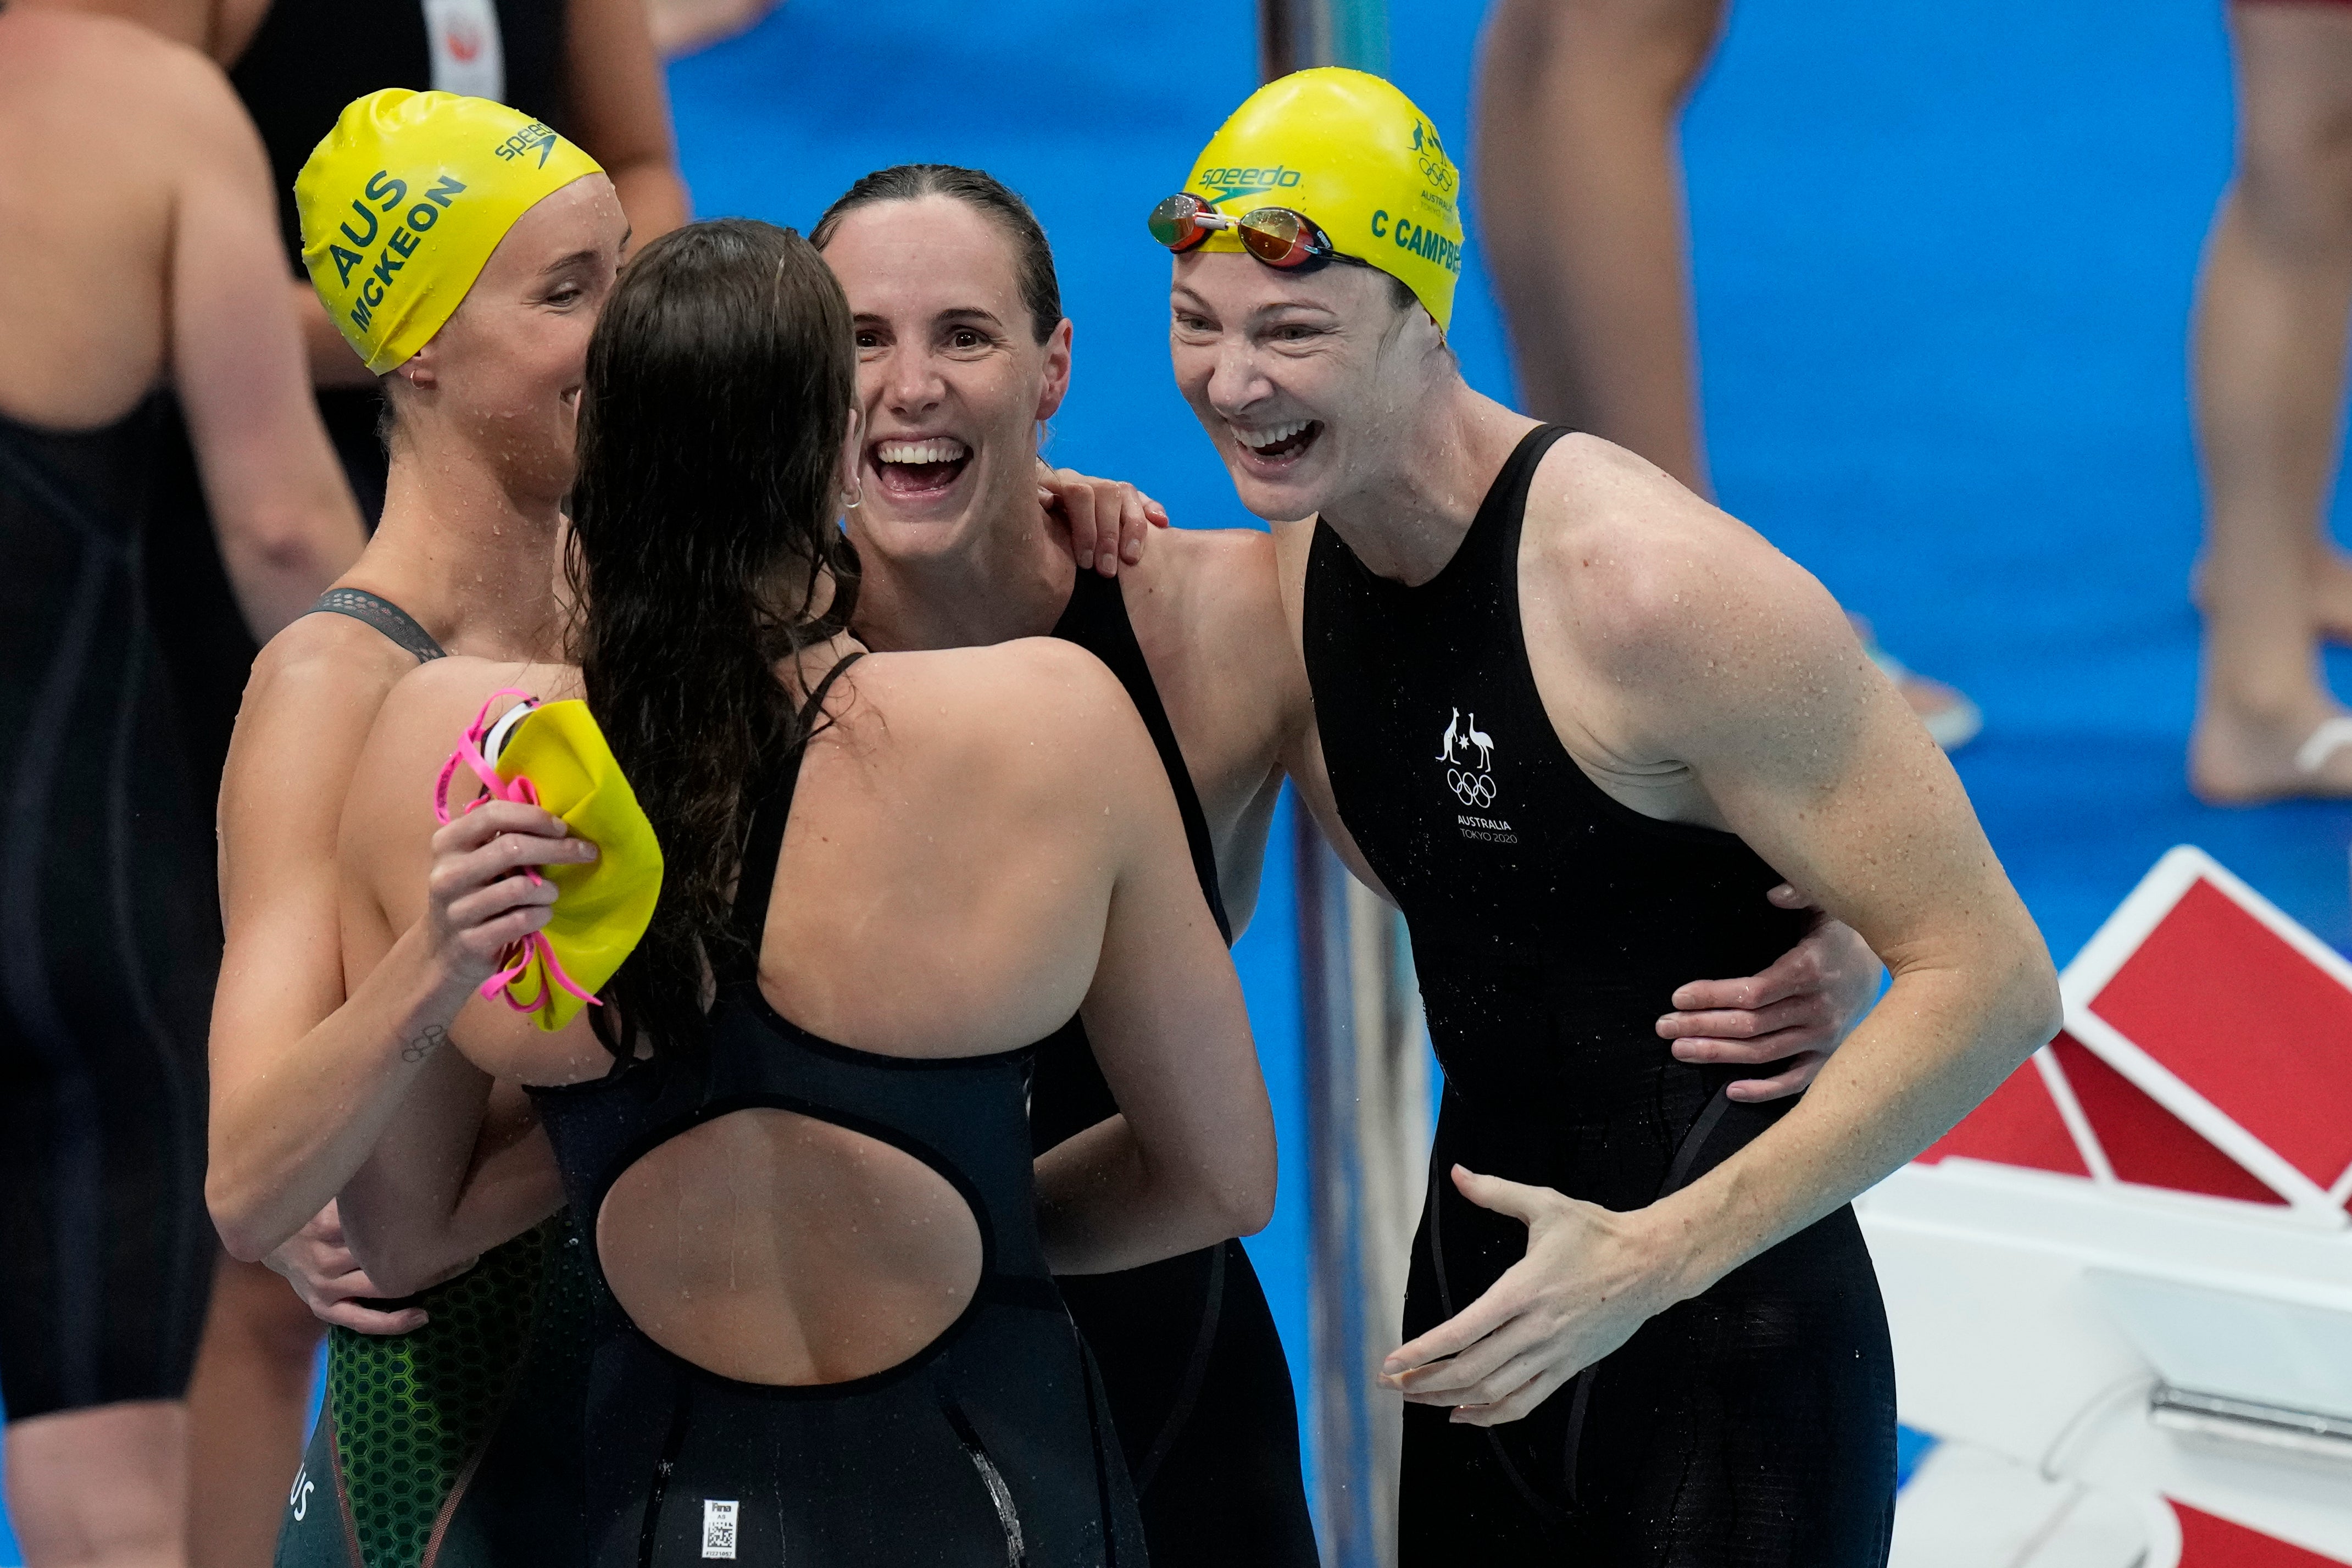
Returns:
point(383, 614)
point(1096, 620)
point(772, 804)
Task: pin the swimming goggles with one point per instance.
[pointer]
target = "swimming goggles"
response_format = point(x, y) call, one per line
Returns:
point(1279, 237)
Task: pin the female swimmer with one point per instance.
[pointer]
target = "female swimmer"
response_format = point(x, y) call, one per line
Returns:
point(827, 1327)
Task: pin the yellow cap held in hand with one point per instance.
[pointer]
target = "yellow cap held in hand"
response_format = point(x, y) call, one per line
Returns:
point(405, 200)
point(1347, 150)
point(602, 908)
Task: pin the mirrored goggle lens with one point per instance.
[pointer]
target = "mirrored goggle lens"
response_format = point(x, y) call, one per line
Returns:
point(1281, 238)
point(1176, 222)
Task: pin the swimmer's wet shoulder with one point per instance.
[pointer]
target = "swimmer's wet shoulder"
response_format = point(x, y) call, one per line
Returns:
point(986, 751)
point(106, 128)
point(1676, 649)
point(1649, 616)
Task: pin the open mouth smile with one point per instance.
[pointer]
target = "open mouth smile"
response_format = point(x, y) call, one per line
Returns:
point(919, 470)
point(1274, 445)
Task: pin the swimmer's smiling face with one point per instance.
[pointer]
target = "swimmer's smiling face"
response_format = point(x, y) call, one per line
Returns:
point(504, 372)
point(950, 375)
point(1307, 386)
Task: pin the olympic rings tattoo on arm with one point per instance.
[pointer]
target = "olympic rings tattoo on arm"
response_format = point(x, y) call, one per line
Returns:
point(433, 1038)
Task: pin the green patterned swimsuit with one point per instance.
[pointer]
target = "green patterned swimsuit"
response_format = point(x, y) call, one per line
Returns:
point(457, 1445)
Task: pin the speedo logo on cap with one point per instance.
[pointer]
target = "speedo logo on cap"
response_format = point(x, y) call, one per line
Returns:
point(1230, 183)
point(531, 136)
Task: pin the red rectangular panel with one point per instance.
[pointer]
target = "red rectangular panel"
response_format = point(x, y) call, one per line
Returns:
point(2146, 1143)
point(2208, 1541)
point(2018, 1124)
point(2247, 1022)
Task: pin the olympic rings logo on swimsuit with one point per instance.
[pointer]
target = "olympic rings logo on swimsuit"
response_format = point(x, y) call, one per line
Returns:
point(1471, 785)
point(1471, 789)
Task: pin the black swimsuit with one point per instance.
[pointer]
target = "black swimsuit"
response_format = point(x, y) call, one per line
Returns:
point(988, 1446)
point(1199, 1388)
point(109, 931)
point(1551, 924)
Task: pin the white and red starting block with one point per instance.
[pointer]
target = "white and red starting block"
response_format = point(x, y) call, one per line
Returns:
point(2125, 1282)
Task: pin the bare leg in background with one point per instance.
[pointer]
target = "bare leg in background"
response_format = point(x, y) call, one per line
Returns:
point(1581, 206)
point(101, 1488)
point(248, 1409)
point(2268, 346)
point(1581, 198)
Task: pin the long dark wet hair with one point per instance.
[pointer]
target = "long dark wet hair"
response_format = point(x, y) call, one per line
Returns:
point(705, 548)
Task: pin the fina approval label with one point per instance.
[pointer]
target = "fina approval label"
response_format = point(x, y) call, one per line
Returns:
point(719, 1527)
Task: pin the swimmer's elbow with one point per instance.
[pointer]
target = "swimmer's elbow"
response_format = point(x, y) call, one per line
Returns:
point(1997, 983)
point(2041, 1010)
point(2009, 992)
point(282, 552)
point(305, 540)
point(241, 1242)
point(1254, 1213)
point(394, 1276)
point(244, 1229)
point(400, 1258)
point(1245, 1201)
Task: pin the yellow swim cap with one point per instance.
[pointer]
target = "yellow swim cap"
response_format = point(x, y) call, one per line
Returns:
point(1350, 152)
point(602, 908)
point(403, 201)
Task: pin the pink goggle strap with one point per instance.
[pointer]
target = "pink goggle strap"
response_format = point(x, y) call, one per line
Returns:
point(519, 956)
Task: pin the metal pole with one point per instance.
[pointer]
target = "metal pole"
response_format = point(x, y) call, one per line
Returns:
point(1368, 1146)
point(1294, 34)
point(1367, 1056)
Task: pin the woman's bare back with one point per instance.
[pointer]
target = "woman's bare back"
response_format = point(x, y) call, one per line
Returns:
point(981, 842)
point(104, 132)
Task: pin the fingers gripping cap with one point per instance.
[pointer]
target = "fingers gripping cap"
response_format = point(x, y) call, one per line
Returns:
point(603, 908)
point(1349, 150)
point(405, 200)
point(553, 756)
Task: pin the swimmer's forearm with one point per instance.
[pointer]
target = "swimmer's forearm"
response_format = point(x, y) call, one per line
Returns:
point(1092, 1206)
point(1939, 1042)
point(408, 1241)
point(281, 555)
point(1102, 1206)
point(298, 1122)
